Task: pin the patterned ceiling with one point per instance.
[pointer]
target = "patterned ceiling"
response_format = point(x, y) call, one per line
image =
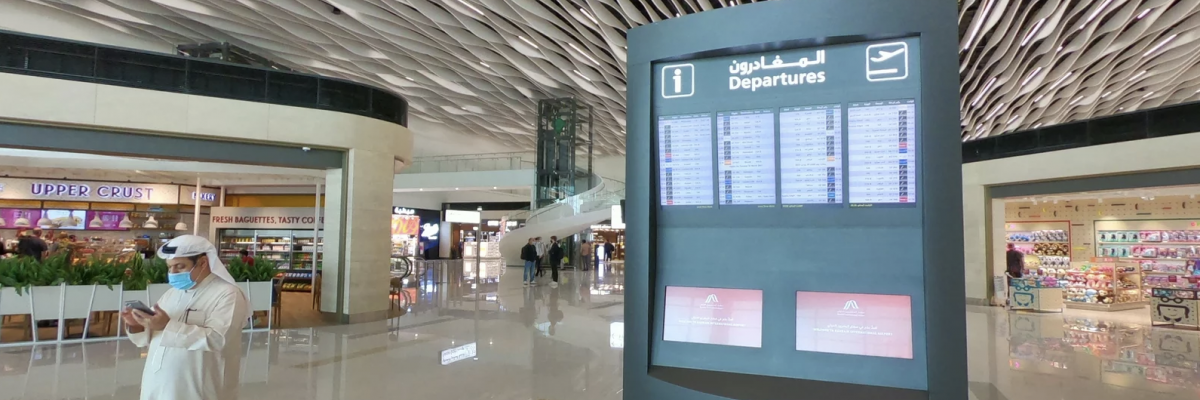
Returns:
point(480, 65)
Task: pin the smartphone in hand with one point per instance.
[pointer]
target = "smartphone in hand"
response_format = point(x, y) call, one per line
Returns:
point(140, 306)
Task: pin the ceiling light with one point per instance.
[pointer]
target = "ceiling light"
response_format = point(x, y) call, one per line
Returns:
point(411, 79)
point(1077, 99)
point(1032, 32)
point(1039, 98)
point(982, 17)
point(1106, 94)
point(1139, 75)
point(593, 60)
point(676, 15)
point(1160, 44)
point(586, 14)
point(1014, 118)
point(455, 188)
point(1060, 48)
point(1035, 126)
point(1031, 75)
point(731, 3)
point(581, 75)
point(984, 91)
point(422, 190)
point(523, 39)
point(1098, 10)
point(1068, 75)
point(484, 64)
point(1144, 12)
point(494, 187)
point(471, 6)
point(1120, 108)
point(1148, 95)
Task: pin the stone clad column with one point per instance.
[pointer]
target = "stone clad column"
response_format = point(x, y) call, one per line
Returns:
point(359, 201)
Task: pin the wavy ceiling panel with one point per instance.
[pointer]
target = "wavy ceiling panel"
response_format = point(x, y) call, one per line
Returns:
point(480, 65)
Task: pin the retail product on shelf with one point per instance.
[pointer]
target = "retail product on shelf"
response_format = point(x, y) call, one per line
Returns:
point(1105, 284)
point(1050, 235)
point(297, 281)
point(288, 249)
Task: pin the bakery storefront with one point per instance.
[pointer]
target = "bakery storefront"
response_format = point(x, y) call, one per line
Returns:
point(101, 219)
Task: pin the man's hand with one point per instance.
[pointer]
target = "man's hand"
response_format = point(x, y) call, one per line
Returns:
point(156, 322)
point(131, 321)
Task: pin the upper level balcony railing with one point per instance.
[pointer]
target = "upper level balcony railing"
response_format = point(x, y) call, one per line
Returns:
point(86, 62)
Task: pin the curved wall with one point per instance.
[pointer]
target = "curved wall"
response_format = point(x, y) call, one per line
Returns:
point(361, 192)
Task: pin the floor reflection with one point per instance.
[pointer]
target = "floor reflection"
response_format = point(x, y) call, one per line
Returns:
point(1093, 356)
point(455, 340)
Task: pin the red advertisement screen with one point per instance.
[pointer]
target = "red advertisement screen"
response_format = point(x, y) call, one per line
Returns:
point(849, 323)
point(730, 317)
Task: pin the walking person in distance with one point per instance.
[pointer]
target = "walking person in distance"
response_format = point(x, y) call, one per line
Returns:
point(556, 256)
point(530, 256)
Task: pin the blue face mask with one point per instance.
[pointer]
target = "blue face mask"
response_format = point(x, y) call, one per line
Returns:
point(181, 281)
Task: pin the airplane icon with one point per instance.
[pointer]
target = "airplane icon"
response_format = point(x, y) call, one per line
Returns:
point(884, 62)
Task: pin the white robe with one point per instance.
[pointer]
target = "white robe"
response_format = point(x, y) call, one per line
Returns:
point(198, 355)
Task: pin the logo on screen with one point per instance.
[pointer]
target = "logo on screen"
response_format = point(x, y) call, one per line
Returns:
point(850, 309)
point(712, 303)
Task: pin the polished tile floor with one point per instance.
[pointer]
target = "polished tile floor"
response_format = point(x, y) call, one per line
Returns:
point(498, 340)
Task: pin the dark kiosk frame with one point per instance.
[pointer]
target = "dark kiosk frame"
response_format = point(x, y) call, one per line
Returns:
point(785, 25)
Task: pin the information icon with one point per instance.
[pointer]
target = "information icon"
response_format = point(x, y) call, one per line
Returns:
point(887, 62)
point(678, 80)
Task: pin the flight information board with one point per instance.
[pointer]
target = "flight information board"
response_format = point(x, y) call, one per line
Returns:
point(810, 152)
point(746, 157)
point(685, 160)
point(882, 153)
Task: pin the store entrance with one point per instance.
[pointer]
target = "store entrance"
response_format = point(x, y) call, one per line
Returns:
point(79, 234)
point(1130, 251)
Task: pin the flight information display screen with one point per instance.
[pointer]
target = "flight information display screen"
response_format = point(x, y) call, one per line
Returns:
point(810, 153)
point(746, 166)
point(685, 160)
point(883, 153)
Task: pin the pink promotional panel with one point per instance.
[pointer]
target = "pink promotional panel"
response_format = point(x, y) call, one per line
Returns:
point(729, 317)
point(10, 216)
point(849, 323)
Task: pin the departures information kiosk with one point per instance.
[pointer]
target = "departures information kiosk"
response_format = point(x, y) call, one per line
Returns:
point(794, 204)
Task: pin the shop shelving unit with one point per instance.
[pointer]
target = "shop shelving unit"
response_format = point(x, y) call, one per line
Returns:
point(1038, 252)
point(291, 250)
point(1120, 274)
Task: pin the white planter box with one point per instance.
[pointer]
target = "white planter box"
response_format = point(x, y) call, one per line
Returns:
point(78, 301)
point(157, 290)
point(128, 295)
point(13, 304)
point(107, 299)
point(260, 295)
point(47, 301)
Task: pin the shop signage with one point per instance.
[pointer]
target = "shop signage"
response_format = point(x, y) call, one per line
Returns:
point(462, 217)
point(403, 211)
point(208, 197)
point(263, 218)
point(45, 189)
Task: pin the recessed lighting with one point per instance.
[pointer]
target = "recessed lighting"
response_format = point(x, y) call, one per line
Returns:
point(411, 79)
point(1160, 44)
point(1098, 10)
point(484, 64)
point(523, 39)
point(1139, 75)
point(1031, 75)
point(1148, 95)
point(1060, 48)
point(585, 13)
point(987, 8)
point(1068, 75)
point(1032, 32)
point(593, 60)
point(1144, 12)
point(676, 15)
point(1106, 94)
point(582, 76)
point(471, 7)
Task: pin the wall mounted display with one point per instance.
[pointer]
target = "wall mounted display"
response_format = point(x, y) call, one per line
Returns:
point(685, 160)
point(775, 156)
point(854, 323)
point(729, 317)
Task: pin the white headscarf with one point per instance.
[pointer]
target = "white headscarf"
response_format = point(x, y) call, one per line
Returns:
point(192, 245)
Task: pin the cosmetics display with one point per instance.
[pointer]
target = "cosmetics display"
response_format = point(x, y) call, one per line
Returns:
point(1105, 284)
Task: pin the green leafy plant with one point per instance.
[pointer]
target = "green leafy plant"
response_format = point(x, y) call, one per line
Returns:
point(261, 270)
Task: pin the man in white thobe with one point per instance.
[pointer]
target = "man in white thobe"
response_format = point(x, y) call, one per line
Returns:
point(195, 334)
